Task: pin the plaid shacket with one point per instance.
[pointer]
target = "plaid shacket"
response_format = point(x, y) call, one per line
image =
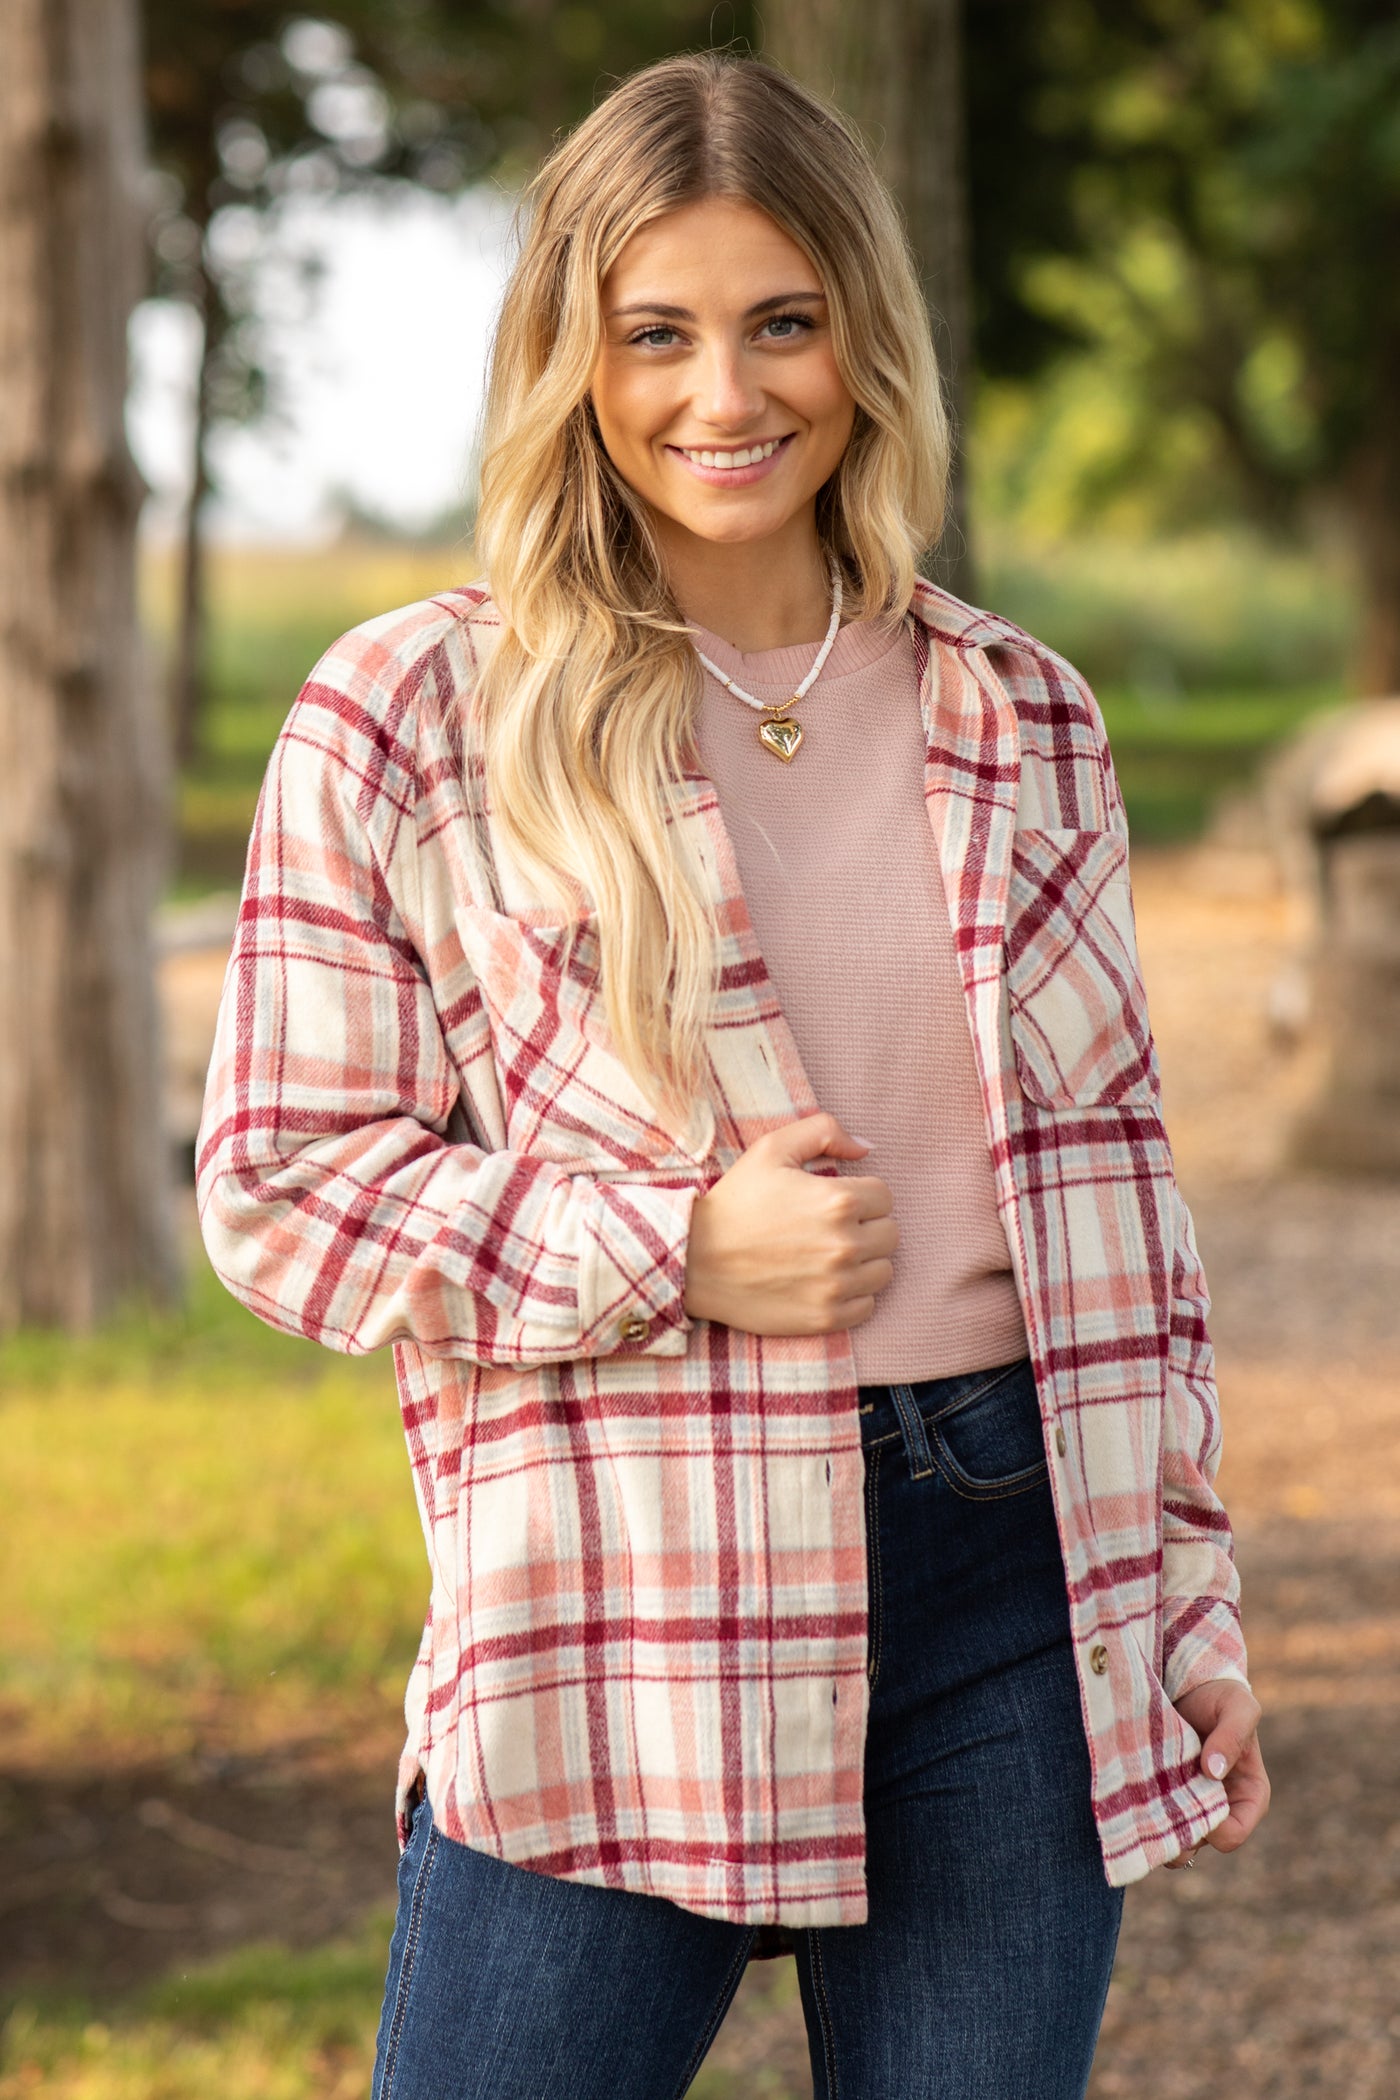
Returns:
point(644, 1663)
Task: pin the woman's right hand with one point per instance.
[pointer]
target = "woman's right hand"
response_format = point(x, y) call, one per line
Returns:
point(775, 1250)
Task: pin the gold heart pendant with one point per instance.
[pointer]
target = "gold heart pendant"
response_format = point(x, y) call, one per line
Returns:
point(782, 738)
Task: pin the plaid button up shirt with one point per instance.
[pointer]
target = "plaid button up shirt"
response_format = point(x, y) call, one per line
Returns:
point(644, 1662)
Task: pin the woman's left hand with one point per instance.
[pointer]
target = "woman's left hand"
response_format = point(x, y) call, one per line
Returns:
point(1225, 1715)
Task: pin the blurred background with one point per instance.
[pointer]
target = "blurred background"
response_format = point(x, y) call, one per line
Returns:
point(249, 262)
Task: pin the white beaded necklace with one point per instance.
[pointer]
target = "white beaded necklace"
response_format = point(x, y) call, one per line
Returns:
point(780, 734)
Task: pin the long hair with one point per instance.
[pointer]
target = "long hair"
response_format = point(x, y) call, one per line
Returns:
point(585, 708)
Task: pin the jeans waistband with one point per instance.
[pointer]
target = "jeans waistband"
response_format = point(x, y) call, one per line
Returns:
point(885, 1408)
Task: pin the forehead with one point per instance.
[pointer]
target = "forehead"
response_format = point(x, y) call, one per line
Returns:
point(720, 247)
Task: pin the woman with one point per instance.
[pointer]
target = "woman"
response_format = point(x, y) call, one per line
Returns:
point(823, 1541)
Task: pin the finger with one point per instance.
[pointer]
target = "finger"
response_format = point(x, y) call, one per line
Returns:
point(1226, 1744)
point(873, 1198)
point(1237, 1826)
point(1185, 1859)
point(1249, 1793)
point(853, 1312)
point(817, 1136)
point(876, 1239)
point(1224, 1748)
point(867, 1277)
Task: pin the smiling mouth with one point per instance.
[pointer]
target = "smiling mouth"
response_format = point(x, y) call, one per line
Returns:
point(747, 456)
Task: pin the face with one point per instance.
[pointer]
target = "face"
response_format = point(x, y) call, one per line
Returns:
point(717, 390)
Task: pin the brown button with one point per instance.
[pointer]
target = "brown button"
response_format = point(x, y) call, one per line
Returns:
point(1061, 1440)
point(634, 1328)
point(1098, 1658)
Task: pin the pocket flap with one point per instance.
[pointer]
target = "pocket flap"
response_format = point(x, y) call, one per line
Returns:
point(1078, 1015)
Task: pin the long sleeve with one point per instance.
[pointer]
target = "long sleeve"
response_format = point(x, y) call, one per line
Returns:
point(1201, 1636)
point(332, 1200)
point(1201, 1633)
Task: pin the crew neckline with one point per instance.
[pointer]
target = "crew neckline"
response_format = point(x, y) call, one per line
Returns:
point(858, 644)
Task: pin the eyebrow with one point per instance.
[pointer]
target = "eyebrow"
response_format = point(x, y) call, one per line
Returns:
point(683, 313)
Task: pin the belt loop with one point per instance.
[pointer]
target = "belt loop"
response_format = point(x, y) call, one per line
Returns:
point(911, 1427)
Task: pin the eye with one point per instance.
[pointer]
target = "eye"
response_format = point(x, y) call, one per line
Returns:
point(645, 335)
point(797, 324)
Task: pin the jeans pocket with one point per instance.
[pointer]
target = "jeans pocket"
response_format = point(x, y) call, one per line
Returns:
point(988, 1443)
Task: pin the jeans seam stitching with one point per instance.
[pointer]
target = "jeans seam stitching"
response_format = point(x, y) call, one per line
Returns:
point(718, 2010)
point(872, 1525)
point(406, 1966)
point(996, 1491)
point(989, 1386)
point(824, 2014)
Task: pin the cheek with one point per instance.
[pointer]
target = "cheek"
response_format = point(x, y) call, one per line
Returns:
point(833, 420)
point(626, 410)
point(829, 402)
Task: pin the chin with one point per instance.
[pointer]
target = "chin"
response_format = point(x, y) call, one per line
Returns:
point(732, 533)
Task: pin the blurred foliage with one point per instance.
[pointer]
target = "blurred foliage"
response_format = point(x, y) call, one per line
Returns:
point(1207, 198)
point(242, 1558)
point(268, 2021)
point(1205, 612)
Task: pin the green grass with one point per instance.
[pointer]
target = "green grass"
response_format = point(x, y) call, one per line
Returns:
point(210, 1534)
point(1175, 758)
point(272, 615)
point(1204, 653)
point(1215, 613)
point(210, 1540)
point(266, 2023)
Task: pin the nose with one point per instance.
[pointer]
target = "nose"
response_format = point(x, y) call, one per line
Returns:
point(727, 395)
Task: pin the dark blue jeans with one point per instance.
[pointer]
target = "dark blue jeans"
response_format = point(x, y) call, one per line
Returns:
point(982, 1969)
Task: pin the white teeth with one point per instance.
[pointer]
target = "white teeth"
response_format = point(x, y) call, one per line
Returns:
point(733, 459)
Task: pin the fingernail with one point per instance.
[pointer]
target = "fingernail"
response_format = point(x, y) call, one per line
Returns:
point(862, 1141)
point(1217, 1765)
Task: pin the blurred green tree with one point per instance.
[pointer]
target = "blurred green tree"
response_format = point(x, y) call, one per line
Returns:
point(1221, 228)
point(250, 105)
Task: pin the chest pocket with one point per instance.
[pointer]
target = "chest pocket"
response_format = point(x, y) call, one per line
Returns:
point(1077, 1014)
point(567, 1095)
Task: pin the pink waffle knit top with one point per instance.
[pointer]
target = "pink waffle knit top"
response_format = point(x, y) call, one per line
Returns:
point(840, 872)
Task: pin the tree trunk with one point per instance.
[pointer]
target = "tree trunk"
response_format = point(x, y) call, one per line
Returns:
point(896, 67)
point(83, 1161)
point(188, 670)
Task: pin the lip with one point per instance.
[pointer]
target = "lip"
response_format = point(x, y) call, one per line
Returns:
point(735, 477)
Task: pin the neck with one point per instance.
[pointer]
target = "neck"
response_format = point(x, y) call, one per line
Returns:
point(769, 594)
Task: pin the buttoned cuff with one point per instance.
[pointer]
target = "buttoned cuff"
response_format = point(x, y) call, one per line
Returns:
point(631, 1276)
point(1212, 1646)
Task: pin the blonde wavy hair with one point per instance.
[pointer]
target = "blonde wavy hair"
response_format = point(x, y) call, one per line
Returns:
point(585, 708)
